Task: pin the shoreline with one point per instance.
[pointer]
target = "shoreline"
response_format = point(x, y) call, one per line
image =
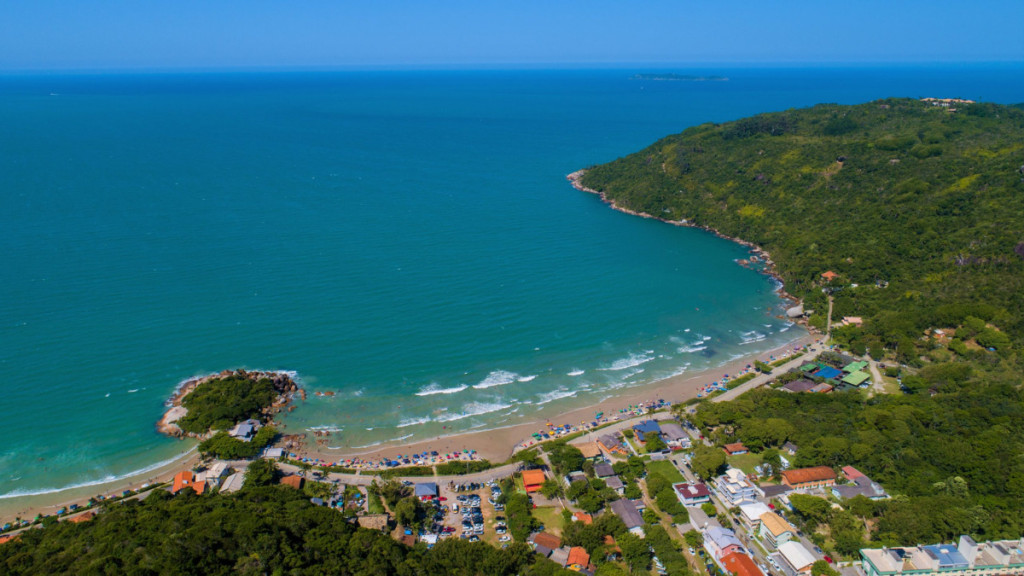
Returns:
point(500, 443)
point(769, 270)
point(496, 444)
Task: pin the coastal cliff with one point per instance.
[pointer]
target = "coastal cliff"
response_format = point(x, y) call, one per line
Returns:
point(895, 208)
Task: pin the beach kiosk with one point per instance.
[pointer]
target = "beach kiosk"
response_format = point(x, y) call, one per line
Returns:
point(533, 480)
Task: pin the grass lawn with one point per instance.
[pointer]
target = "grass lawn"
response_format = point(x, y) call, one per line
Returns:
point(666, 469)
point(550, 517)
point(373, 504)
point(745, 462)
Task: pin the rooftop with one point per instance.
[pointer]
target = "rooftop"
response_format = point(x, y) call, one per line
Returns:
point(698, 490)
point(626, 510)
point(673, 431)
point(533, 477)
point(578, 555)
point(776, 525)
point(547, 540)
point(796, 555)
point(740, 565)
point(802, 475)
point(603, 470)
point(646, 426)
point(590, 450)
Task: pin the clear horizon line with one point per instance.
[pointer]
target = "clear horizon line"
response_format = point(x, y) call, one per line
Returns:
point(495, 66)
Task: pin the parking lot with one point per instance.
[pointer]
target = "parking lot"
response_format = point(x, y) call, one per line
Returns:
point(470, 512)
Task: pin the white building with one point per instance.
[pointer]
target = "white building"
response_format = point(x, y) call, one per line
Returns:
point(966, 558)
point(734, 489)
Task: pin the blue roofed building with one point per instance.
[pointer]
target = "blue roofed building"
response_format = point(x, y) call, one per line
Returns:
point(828, 373)
point(426, 491)
point(643, 428)
point(966, 557)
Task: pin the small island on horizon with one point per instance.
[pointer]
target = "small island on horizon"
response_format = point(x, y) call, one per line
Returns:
point(679, 77)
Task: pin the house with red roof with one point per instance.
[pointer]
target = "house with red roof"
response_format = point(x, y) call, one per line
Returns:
point(181, 480)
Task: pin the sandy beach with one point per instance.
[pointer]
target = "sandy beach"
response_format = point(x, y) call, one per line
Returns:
point(495, 444)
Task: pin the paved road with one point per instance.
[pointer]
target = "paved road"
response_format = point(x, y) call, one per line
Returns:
point(367, 479)
point(762, 379)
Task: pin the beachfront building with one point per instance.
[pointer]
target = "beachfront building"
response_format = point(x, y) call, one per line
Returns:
point(533, 480)
point(740, 565)
point(796, 557)
point(426, 491)
point(590, 450)
point(641, 429)
point(967, 557)
point(774, 530)
point(181, 480)
point(611, 444)
point(692, 494)
point(245, 431)
point(720, 542)
point(804, 478)
point(734, 489)
point(674, 435)
point(626, 510)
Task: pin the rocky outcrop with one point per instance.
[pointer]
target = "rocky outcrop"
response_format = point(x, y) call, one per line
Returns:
point(284, 384)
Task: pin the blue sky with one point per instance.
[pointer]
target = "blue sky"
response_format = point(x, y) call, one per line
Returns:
point(158, 34)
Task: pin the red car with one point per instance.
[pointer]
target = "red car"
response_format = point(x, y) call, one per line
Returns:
point(828, 559)
point(443, 499)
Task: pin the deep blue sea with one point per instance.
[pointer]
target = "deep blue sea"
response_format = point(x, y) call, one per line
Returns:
point(405, 239)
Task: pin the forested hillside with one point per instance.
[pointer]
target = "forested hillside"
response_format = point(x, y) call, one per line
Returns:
point(920, 206)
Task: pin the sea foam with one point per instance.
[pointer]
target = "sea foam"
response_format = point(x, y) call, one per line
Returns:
point(473, 409)
point(497, 378)
point(630, 361)
point(435, 388)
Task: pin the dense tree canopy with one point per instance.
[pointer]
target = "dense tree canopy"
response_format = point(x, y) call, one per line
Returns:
point(260, 530)
point(919, 210)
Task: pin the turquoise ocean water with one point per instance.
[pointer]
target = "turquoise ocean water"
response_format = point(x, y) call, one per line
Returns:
point(405, 239)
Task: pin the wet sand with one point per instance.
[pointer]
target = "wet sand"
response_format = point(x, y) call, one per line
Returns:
point(495, 444)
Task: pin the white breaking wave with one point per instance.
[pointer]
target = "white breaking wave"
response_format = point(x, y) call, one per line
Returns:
point(526, 378)
point(497, 378)
point(576, 372)
point(751, 337)
point(105, 480)
point(631, 372)
point(412, 422)
point(554, 395)
point(325, 428)
point(630, 361)
point(473, 409)
point(435, 388)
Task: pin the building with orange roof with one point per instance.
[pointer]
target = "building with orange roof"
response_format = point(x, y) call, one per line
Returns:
point(740, 565)
point(829, 276)
point(181, 480)
point(7, 538)
point(775, 530)
point(547, 540)
point(735, 449)
point(578, 558)
point(293, 481)
point(818, 476)
point(533, 480)
point(584, 517)
point(200, 487)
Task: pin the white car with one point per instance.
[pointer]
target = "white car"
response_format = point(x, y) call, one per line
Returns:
point(505, 538)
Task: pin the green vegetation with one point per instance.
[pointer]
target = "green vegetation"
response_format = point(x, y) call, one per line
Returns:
point(467, 467)
point(225, 447)
point(951, 461)
point(564, 458)
point(667, 470)
point(921, 208)
point(259, 530)
point(223, 402)
point(653, 442)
